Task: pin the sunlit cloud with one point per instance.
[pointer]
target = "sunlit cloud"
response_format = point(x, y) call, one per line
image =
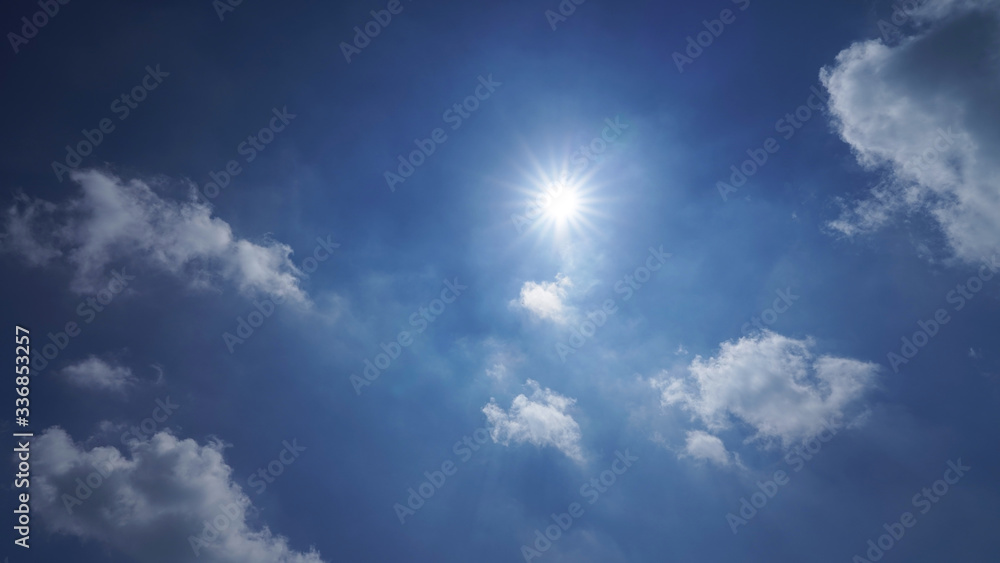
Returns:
point(540, 419)
point(545, 300)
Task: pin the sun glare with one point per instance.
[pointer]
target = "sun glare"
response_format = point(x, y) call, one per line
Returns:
point(555, 203)
point(563, 205)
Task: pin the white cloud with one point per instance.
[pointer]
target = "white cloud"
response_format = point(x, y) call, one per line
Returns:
point(772, 383)
point(545, 299)
point(149, 505)
point(540, 419)
point(20, 228)
point(703, 446)
point(672, 389)
point(115, 220)
point(925, 112)
point(97, 373)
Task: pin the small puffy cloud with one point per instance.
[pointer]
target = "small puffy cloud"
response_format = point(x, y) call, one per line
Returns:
point(153, 505)
point(96, 373)
point(923, 112)
point(546, 300)
point(773, 384)
point(115, 220)
point(540, 419)
point(672, 389)
point(703, 446)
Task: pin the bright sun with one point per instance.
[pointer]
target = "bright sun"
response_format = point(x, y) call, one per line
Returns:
point(560, 205)
point(564, 205)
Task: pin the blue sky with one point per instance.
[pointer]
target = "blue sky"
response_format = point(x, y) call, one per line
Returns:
point(529, 281)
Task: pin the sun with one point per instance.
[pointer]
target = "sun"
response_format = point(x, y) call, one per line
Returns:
point(563, 204)
point(559, 205)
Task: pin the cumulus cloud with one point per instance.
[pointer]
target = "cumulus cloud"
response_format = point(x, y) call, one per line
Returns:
point(151, 504)
point(773, 384)
point(540, 419)
point(96, 373)
point(924, 112)
point(703, 446)
point(116, 220)
point(546, 299)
